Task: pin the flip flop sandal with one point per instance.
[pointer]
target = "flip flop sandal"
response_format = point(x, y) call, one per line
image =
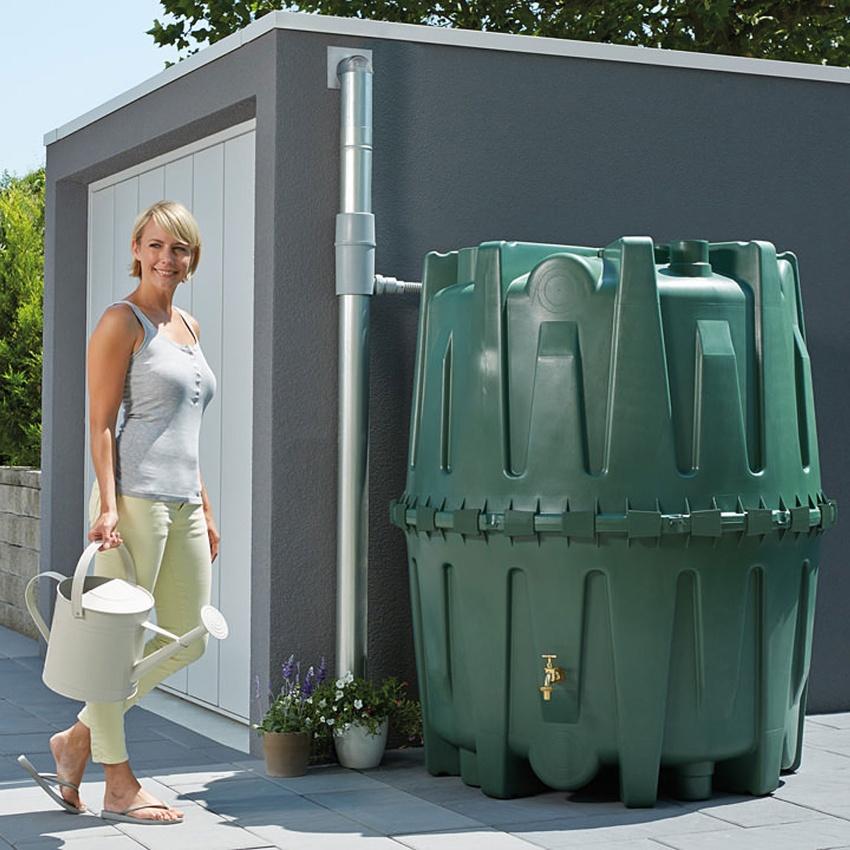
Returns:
point(125, 816)
point(43, 779)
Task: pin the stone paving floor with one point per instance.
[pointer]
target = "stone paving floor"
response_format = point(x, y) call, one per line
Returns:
point(230, 804)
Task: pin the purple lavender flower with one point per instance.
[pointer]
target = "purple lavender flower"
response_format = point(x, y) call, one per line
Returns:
point(289, 668)
point(309, 684)
point(323, 671)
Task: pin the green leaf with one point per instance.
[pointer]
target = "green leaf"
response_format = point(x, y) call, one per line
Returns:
point(21, 293)
point(810, 31)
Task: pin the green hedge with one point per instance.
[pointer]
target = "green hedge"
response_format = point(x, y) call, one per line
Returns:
point(21, 292)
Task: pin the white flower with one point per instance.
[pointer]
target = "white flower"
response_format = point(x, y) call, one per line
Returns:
point(338, 695)
point(358, 704)
point(365, 715)
point(349, 677)
point(322, 719)
point(340, 683)
point(330, 721)
point(321, 703)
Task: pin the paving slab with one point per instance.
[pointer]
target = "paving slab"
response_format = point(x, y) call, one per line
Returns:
point(475, 839)
point(818, 761)
point(826, 736)
point(30, 662)
point(446, 790)
point(329, 832)
point(759, 811)
point(15, 645)
point(118, 841)
point(274, 808)
point(226, 796)
point(10, 771)
point(15, 720)
point(322, 779)
point(218, 752)
point(28, 742)
point(822, 792)
point(811, 835)
point(629, 825)
point(42, 819)
point(391, 811)
point(627, 844)
point(836, 721)
point(211, 773)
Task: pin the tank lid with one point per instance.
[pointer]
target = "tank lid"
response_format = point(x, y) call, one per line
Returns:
point(689, 258)
point(117, 596)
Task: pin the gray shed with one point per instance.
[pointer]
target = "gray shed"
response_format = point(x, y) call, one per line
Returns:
point(477, 136)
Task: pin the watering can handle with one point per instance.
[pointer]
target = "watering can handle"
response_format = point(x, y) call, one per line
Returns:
point(83, 567)
point(32, 605)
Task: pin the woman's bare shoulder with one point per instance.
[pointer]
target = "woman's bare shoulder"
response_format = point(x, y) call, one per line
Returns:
point(118, 327)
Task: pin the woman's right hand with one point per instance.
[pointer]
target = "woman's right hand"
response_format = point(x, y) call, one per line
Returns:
point(104, 529)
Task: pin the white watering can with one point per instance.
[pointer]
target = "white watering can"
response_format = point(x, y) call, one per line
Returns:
point(95, 646)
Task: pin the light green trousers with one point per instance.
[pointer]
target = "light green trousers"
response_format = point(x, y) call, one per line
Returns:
point(171, 551)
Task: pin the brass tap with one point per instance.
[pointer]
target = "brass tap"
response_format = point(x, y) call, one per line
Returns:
point(551, 675)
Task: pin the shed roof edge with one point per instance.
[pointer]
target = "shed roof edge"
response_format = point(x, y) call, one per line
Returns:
point(300, 21)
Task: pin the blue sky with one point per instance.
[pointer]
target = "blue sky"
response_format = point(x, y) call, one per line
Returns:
point(65, 58)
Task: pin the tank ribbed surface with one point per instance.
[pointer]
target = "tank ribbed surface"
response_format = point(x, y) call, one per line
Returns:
point(613, 460)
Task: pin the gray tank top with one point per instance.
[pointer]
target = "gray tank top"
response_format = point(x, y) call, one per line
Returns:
point(166, 391)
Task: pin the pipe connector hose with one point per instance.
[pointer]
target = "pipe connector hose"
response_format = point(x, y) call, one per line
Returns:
point(393, 286)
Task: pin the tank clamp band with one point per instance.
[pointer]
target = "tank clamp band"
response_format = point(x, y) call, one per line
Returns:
point(632, 524)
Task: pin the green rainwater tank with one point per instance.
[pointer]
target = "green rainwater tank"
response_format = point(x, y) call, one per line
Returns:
point(613, 511)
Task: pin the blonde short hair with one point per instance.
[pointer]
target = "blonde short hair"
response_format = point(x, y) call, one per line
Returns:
point(175, 219)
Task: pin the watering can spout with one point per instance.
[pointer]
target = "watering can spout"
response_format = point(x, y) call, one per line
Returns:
point(212, 622)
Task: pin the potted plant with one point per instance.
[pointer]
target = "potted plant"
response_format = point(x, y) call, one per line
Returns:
point(288, 724)
point(358, 712)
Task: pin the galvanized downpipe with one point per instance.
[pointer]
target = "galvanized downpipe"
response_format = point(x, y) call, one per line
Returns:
point(355, 280)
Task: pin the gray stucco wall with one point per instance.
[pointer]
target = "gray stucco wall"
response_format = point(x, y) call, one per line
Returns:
point(470, 145)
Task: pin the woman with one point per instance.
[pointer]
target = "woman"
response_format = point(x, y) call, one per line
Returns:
point(149, 494)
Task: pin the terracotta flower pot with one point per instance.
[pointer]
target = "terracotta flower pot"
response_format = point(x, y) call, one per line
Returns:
point(357, 749)
point(287, 753)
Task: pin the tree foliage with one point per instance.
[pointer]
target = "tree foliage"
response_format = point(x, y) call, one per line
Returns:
point(796, 30)
point(21, 289)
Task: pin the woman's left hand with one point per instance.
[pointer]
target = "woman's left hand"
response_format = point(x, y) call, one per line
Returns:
point(214, 536)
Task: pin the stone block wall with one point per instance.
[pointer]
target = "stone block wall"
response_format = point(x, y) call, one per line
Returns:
point(20, 497)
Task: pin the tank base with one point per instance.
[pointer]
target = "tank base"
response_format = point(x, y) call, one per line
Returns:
point(469, 769)
point(441, 757)
point(693, 781)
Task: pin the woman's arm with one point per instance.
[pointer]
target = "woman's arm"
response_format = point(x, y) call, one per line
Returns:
point(109, 351)
point(212, 528)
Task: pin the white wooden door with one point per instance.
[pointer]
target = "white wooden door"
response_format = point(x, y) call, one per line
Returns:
point(214, 178)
